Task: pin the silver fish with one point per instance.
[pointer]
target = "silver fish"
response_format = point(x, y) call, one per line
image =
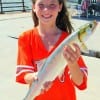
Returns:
point(56, 63)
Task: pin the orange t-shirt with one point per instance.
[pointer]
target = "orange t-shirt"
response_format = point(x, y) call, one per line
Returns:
point(31, 52)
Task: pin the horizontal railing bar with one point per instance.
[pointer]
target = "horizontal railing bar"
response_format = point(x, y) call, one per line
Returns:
point(14, 6)
point(11, 2)
point(9, 6)
point(12, 10)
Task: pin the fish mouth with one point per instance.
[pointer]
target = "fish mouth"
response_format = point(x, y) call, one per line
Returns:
point(94, 25)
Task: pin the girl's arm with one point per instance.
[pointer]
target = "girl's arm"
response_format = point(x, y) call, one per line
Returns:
point(72, 54)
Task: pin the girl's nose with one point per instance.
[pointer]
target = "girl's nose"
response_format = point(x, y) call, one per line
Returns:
point(46, 8)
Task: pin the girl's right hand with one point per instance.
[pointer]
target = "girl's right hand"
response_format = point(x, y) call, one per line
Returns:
point(30, 77)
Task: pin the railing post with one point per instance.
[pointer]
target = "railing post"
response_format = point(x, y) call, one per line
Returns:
point(5, 5)
point(23, 3)
point(93, 1)
point(1, 7)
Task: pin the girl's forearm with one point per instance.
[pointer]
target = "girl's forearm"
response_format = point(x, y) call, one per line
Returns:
point(76, 74)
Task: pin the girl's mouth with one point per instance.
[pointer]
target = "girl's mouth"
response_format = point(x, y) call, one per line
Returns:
point(47, 16)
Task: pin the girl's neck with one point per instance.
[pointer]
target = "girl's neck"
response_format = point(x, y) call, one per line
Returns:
point(49, 35)
point(48, 30)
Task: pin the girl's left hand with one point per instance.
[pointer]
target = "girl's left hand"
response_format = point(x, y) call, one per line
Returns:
point(71, 53)
point(46, 86)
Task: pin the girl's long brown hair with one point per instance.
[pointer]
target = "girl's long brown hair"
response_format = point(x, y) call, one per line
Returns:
point(62, 20)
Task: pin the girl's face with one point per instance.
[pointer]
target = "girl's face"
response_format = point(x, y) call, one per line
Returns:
point(47, 10)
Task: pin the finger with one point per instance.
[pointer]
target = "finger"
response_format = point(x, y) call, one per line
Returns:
point(66, 53)
point(47, 85)
point(71, 53)
point(76, 46)
point(68, 57)
point(34, 75)
point(42, 91)
point(77, 50)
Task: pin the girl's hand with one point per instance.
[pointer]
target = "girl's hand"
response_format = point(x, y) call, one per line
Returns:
point(30, 77)
point(71, 53)
point(46, 87)
point(34, 76)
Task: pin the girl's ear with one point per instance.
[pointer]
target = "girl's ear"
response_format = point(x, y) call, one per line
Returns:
point(33, 8)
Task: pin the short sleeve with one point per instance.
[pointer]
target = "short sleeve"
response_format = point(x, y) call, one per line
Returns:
point(24, 58)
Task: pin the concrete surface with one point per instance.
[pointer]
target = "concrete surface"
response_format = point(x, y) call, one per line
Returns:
point(14, 24)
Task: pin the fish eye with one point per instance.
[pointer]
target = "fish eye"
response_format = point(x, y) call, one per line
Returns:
point(91, 25)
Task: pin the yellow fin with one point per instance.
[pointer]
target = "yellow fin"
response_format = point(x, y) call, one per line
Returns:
point(84, 47)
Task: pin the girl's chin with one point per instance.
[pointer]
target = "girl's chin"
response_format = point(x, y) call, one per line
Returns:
point(47, 21)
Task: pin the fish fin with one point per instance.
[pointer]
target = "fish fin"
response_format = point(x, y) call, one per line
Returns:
point(84, 47)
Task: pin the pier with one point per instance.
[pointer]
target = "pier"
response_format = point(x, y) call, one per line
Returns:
point(13, 6)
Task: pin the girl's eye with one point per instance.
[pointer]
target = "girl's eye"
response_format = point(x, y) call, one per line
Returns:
point(52, 6)
point(41, 6)
point(49, 7)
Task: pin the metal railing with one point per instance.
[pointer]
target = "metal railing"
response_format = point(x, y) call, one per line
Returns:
point(12, 6)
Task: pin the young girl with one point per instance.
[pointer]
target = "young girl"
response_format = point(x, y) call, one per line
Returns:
point(51, 27)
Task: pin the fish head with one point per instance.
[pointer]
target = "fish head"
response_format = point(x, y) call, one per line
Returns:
point(92, 26)
point(87, 30)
